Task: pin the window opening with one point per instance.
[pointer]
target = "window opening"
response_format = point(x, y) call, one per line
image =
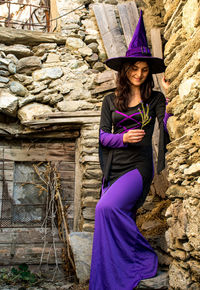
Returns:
point(29, 15)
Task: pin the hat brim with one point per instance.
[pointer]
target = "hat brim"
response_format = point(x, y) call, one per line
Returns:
point(157, 64)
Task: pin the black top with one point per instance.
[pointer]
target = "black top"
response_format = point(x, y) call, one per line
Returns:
point(117, 161)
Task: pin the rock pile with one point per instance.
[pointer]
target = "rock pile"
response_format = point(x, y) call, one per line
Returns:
point(182, 55)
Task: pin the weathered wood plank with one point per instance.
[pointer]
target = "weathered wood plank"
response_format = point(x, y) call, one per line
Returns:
point(38, 155)
point(109, 29)
point(107, 86)
point(128, 13)
point(25, 236)
point(20, 36)
point(157, 51)
point(11, 254)
point(54, 135)
point(62, 166)
point(82, 120)
point(68, 114)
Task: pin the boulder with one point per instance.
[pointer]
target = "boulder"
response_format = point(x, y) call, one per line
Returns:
point(28, 112)
point(81, 244)
point(72, 106)
point(19, 50)
point(28, 64)
point(74, 43)
point(18, 89)
point(4, 80)
point(8, 103)
point(48, 73)
point(160, 281)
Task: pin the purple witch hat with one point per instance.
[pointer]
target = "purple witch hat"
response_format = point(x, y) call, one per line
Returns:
point(138, 51)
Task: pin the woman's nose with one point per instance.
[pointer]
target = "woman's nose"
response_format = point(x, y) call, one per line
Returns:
point(139, 73)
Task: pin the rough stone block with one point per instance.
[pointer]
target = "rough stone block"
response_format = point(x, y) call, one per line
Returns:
point(81, 243)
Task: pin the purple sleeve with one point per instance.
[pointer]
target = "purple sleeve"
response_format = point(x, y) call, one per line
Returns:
point(111, 140)
point(166, 117)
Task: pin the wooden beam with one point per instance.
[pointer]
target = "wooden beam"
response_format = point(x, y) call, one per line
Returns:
point(69, 114)
point(109, 29)
point(20, 36)
point(49, 122)
point(129, 16)
point(157, 52)
point(38, 155)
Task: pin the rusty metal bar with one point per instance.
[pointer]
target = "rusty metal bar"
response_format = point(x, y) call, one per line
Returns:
point(23, 4)
point(33, 24)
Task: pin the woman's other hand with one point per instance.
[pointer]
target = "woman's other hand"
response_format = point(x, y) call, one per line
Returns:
point(165, 85)
point(133, 136)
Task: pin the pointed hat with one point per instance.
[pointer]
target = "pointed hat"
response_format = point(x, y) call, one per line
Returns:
point(138, 50)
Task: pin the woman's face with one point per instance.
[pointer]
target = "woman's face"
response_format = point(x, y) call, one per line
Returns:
point(137, 73)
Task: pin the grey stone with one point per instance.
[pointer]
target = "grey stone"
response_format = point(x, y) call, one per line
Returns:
point(12, 68)
point(89, 39)
point(38, 89)
point(5, 61)
point(92, 58)
point(4, 73)
point(93, 46)
point(19, 50)
point(8, 103)
point(4, 80)
point(28, 64)
point(28, 112)
point(48, 73)
point(160, 281)
point(26, 100)
point(12, 57)
point(18, 89)
point(99, 66)
point(72, 106)
point(3, 67)
point(81, 243)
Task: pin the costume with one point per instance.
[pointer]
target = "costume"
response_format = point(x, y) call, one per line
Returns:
point(121, 256)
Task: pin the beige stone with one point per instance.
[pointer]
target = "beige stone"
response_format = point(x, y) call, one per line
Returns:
point(28, 112)
point(182, 58)
point(190, 11)
point(194, 169)
point(196, 112)
point(52, 57)
point(47, 73)
point(186, 87)
point(72, 106)
point(74, 43)
point(179, 278)
point(175, 127)
point(85, 51)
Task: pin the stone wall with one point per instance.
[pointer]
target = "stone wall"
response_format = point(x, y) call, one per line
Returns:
point(182, 55)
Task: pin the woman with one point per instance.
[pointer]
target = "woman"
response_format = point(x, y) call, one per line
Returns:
point(121, 256)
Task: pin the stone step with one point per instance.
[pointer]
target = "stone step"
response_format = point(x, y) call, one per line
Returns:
point(160, 281)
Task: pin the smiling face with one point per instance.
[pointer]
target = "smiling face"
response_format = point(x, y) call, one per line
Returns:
point(137, 73)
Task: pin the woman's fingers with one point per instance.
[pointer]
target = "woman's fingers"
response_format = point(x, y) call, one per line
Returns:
point(133, 136)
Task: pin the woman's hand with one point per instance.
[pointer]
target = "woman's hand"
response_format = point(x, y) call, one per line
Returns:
point(165, 84)
point(133, 136)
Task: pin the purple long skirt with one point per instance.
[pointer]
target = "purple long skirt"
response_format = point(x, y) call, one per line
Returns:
point(121, 256)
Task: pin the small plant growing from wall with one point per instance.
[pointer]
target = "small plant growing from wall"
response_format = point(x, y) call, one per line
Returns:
point(21, 275)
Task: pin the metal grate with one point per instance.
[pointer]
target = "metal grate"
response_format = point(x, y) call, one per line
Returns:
point(25, 207)
point(25, 15)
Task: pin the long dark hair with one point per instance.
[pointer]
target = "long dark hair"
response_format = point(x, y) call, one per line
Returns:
point(122, 92)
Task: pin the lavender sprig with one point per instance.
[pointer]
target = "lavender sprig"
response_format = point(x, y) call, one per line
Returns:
point(144, 115)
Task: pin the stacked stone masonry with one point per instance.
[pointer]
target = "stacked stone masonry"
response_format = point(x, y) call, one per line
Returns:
point(182, 58)
point(53, 77)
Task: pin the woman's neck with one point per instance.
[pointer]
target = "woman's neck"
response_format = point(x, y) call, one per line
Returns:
point(135, 97)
